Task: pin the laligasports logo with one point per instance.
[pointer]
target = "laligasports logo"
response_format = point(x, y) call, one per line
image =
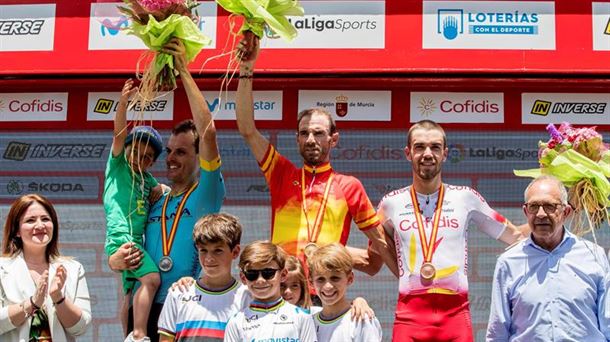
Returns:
point(544, 108)
point(321, 24)
point(19, 151)
point(426, 106)
point(456, 153)
point(335, 24)
point(451, 22)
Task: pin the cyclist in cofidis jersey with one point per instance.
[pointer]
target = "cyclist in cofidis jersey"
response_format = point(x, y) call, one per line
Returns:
point(428, 221)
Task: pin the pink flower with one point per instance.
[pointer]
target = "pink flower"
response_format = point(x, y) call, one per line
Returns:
point(157, 5)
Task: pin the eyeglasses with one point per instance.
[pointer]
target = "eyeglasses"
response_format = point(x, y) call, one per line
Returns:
point(548, 208)
point(267, 273)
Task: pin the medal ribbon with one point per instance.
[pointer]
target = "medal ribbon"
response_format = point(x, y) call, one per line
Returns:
point(167, 242)
point(428, 246)
point(313, 233)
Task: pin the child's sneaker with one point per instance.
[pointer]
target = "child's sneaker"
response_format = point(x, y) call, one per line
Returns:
point(130, 338)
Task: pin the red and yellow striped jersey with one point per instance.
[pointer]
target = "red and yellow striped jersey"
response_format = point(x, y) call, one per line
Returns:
point(293, 223)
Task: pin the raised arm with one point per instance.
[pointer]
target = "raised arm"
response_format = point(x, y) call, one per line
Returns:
point(208, 147)
point(120, 118)
point(244, 103)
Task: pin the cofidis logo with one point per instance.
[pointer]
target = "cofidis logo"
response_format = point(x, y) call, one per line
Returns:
point(489, 24)
point(21, 107)
point(457, 107)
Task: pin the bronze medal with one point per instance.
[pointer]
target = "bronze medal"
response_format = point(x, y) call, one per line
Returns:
point(427, 271)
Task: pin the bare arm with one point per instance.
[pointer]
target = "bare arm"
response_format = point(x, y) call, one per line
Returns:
point(120, 118)
point(244, 103)
point(165, 338)
point(378, 238)
point(67, 312)
point(513, 233)
point(202, 117)
point(366, 261)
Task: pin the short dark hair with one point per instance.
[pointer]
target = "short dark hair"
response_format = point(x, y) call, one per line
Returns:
point(187, 126)
point(220, 227)
point(12, 244)
point(428, 125)
point(311, 111)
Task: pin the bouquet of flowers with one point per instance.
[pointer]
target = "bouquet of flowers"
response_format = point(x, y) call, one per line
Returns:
point(258, 13)
point(155, 22)
point(579, 158)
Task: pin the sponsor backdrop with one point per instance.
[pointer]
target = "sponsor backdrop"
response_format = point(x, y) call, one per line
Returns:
point(84, 37)
point(67, 166)
point(55, 136)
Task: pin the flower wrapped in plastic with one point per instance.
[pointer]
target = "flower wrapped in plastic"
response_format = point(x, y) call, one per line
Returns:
point(579, 158)
point(258, 13)
point(155, 22)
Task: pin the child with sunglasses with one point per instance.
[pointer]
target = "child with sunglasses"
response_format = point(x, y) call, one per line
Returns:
point(331, 272)
point(268, 317)
point(202, 310)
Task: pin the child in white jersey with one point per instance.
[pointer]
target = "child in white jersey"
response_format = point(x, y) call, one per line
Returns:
point(202, 311)
point(268, 317)
point(331, 272)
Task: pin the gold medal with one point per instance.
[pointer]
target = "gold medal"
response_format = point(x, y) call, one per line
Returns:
point(427, 271)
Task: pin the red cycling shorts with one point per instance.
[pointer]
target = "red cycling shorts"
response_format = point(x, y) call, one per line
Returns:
point(432, 317)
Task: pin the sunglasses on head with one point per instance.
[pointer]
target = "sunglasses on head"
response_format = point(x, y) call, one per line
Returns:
point(267, 273)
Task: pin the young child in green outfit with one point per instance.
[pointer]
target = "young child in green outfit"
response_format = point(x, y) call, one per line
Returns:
point(127, 189)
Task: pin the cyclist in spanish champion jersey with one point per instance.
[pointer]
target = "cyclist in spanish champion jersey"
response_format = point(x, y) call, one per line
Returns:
point(313, 203)
point(428, 221)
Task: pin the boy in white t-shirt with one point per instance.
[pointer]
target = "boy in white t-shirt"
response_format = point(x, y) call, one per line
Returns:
point(268, 317)
point(202, 311)
point(331, 272)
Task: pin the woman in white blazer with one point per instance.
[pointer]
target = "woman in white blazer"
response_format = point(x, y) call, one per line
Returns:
point(41, 292)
